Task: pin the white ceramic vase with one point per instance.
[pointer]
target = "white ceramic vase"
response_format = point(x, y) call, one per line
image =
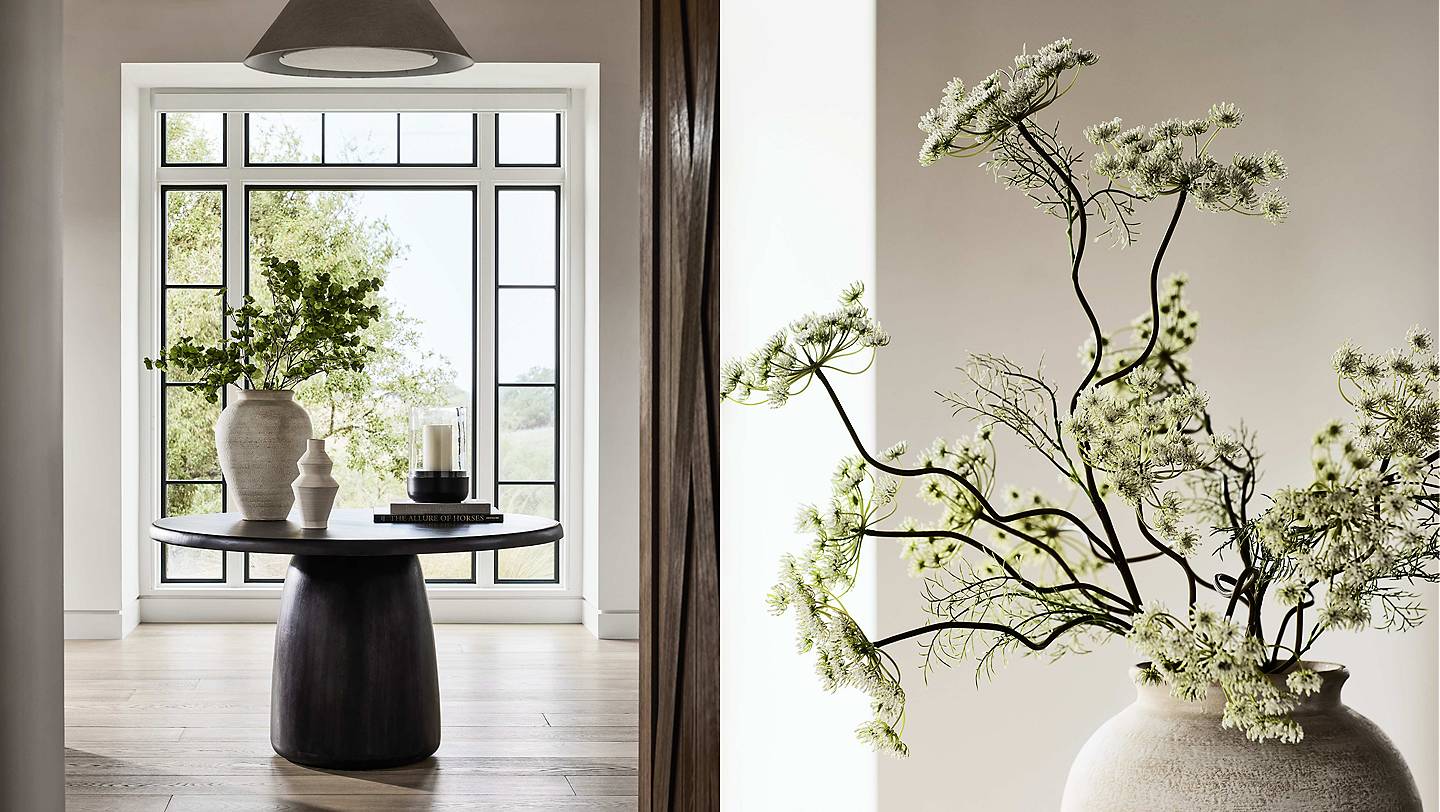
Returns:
point(1163, 754)
point(260, 435)
point(315, 488)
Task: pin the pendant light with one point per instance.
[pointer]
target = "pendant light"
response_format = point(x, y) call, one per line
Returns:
point(359, 39)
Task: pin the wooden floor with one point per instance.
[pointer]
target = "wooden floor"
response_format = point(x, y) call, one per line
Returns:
point(175, 718)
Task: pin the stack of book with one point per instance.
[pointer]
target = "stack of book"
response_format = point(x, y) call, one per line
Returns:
point(467, 512)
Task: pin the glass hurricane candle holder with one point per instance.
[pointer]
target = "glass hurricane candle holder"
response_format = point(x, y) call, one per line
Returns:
point(439, 453)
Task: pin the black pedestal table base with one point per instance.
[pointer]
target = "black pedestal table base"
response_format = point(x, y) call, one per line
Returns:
point(355, 685)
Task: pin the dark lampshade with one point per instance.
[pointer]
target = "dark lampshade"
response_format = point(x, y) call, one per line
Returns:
point(359, 38)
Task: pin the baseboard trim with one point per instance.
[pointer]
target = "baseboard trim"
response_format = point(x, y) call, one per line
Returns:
point(102, 624)
point(621, 624)
point(175, 609)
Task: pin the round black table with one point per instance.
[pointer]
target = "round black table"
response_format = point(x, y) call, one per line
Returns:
point(355, 683)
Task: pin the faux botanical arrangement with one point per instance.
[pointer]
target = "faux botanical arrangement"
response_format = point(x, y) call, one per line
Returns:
point(313, 325)
point(1153, 482)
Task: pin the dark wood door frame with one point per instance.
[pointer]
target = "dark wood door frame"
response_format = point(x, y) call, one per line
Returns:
point(679, 519)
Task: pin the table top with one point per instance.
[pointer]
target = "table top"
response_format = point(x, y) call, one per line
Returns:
point(351, 532)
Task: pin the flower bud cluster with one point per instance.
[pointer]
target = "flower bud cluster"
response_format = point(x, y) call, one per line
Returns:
point(812, 585)
point(1168, 157)
point(973, 118)
point(785, 364)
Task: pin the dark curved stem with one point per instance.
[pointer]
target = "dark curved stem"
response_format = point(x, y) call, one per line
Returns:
point(1154, 300)
point(990, 516)
point(1256, 625)
point(1120, 560)
point(1119, 603)
point(1241, 583)
point(1112, 191)
point(1297, 612)
point(977, 625)
point(1129, 559)
point(1080, 218)
point(1077, 216)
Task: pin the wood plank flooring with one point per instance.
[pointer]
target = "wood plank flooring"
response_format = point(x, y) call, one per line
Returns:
point(175, 719)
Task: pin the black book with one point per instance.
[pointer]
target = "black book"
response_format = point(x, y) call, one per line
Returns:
point(439, 518)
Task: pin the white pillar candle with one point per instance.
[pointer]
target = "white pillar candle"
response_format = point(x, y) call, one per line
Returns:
point(439, 454)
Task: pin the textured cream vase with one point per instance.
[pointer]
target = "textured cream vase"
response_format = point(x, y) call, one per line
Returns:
point(1163, 754)
point(315, 488)
point(260, 435)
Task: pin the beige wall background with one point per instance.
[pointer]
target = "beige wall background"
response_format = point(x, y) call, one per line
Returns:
point(1347, 92)
point(99, 35)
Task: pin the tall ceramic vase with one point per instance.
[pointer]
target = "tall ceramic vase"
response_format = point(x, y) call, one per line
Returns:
point(1163, 754)
point(260, 435)
point(315, 488)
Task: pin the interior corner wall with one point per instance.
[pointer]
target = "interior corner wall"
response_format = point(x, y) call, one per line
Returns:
point(797, 115)
point(99, 36)
point(1347, 92)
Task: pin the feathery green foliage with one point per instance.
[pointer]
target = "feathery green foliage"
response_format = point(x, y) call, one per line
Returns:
point(311, 327)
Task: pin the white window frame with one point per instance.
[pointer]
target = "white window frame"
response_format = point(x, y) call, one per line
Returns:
point(484, 600)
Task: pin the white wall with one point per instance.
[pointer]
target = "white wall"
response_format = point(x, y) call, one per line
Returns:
point(1347, 92)
point(100, 581)
point(797, 203)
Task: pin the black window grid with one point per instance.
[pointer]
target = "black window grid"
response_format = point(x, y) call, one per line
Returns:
point(167, 482)
point(554, 480)
point(399, 147)
point(553, 483)
point(554, 163)
point(474, 311)
point(165, 143)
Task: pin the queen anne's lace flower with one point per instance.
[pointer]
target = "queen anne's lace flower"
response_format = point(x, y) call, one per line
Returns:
point(785, 364)
point(968, 121)
point(1013, 570)
point(1141, 439)
point(1168, 157)
point(813, 586)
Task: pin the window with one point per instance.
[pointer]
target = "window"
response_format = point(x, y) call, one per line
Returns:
point(192, 286)
point(527, 390)
point(461, 213)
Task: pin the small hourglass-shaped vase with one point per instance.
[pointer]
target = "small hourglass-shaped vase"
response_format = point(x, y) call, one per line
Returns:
point(315, 488)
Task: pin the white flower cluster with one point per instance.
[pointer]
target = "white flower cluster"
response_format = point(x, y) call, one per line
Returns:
point(814, 584)
point(968, 121)
point(1138, 437)
point(1395, 397)
point(1365, 520)
point(1155, 161)
point(1213, 651)
point(786, 363)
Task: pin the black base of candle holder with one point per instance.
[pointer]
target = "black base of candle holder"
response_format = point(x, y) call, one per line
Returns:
point(438, 486)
